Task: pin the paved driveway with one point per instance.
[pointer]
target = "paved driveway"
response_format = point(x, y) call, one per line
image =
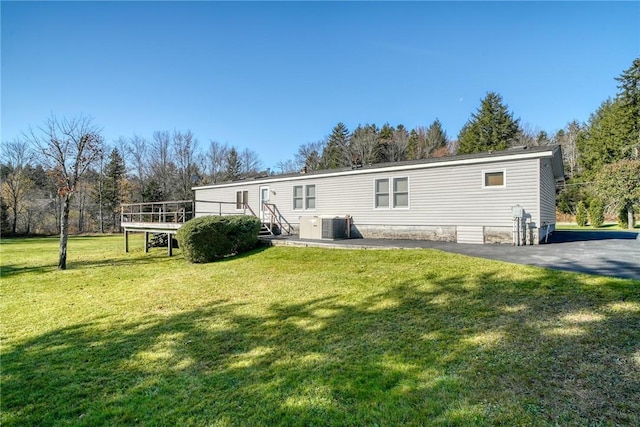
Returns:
point(607, 253)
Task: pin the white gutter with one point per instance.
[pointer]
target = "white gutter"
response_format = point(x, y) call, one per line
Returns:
point(480, 160)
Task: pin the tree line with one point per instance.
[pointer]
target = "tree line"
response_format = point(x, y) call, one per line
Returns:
point(67, 157)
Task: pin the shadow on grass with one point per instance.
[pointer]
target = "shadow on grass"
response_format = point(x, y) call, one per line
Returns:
point(545, 350)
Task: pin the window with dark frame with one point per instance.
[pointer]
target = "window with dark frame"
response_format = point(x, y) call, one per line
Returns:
point(494, 179)
point(242, 198)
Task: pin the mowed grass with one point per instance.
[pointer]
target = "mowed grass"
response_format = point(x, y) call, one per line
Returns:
point(307, 336)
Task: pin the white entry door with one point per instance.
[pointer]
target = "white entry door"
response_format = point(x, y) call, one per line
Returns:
point(264, 198)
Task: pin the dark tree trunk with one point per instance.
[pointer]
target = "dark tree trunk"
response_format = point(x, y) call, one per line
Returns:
point(630, 222)
point(64, 232)
point(14, 224)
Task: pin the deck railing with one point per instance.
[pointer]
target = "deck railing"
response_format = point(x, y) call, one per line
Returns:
point(211, 207)
point(181, 211)
point(177, 211)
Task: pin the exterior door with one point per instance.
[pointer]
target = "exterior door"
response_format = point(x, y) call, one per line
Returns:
point(264, 198)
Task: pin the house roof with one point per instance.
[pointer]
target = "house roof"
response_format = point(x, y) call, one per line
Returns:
point(514, 153)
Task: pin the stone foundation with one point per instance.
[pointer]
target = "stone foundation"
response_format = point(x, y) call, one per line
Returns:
point(413, 232)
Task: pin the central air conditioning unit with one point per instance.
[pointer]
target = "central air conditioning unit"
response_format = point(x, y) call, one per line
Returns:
point(317, 227)
point(334, 228)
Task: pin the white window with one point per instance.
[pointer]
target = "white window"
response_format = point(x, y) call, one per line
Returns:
point(391, 193)
point(310, 197)
point(242, 198)
point(304, 197)
point(400, 192)
point(297, 197)
point(381, 193)
point(495, 178)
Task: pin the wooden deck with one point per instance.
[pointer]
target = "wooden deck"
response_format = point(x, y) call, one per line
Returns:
point(156, 217)
point(168, 217)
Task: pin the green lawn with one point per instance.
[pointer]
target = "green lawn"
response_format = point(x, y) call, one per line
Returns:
point(307, 336)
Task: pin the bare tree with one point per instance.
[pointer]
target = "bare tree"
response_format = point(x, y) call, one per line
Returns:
point(251, 163)
point(310, 155)
point(568, 139)
point(185, 153)
point(138, 149)
point(365, 142)
point(68, 147)
point(161, 165)
point(16, 155)
point(287, 166)
point(216, 160)
point(396, 148)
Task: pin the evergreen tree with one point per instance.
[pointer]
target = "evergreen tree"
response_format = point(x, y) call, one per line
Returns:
point(385, 139)
point(613, 131)
point(629, 110)
point(601, 143)
point(435, 137)
point(413, 145)
point(596, 213)
point(336, 153)
point(491, 128)
point(619, 183)
point(112, 194)
point(234, 165)
point(581, 214)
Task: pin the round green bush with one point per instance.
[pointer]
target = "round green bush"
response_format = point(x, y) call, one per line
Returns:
point(209, 238)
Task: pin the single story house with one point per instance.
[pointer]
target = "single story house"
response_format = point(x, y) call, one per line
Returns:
point(493, 197)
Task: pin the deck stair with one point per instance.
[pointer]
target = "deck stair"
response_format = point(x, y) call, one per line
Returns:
point(265, 230)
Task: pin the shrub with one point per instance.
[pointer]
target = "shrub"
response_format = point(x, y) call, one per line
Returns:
point(581, 214)
point(623, 218)
point(208, 238)
point(596, 213)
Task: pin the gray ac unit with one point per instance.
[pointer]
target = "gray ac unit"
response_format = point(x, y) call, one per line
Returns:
point(334, 228)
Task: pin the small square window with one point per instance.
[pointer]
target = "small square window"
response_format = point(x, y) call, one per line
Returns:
point(494, 179)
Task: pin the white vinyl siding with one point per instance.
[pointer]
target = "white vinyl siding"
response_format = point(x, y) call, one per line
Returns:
point(448, 195)
point(547, 194)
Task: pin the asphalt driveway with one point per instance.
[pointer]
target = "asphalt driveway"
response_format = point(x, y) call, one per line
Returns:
point(606, 253)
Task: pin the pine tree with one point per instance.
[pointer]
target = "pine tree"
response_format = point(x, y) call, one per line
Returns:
point(601, 143)
point(581, 214)
point(435, 137)
point(234, 165)
point(491, 128)
point(336, 153)
point(112, 192)
point(629, 110)
point(596, 213)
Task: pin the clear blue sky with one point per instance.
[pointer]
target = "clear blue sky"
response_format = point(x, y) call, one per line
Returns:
point(273, 76)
